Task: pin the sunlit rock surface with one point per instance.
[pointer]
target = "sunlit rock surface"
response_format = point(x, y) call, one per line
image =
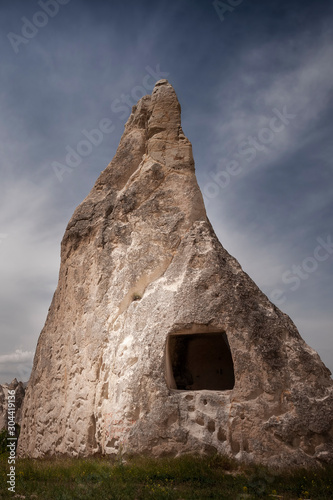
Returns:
point(141, 264)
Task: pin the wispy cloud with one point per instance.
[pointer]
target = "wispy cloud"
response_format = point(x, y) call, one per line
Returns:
point(17, 365)
point(17, 357)
point(304, 87)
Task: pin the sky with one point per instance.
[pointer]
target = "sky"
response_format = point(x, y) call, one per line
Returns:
point(254, 80)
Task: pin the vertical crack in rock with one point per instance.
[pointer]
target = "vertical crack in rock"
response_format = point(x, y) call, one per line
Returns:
point(141, 265)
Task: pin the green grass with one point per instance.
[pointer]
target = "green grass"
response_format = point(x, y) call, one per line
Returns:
point(187, 477)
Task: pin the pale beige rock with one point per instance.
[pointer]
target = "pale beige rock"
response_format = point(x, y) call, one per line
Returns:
point(19, 388)
point(140, 263)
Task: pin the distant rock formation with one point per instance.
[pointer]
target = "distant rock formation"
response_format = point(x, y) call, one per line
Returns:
point(156, 340)
point(19, 388)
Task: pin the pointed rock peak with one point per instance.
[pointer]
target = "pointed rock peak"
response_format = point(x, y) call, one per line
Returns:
point(164, 92)
point(162, 89)
point(163, 100)
point(153, 131)
point(166, 140)
point(156, 341)
point(162, 82)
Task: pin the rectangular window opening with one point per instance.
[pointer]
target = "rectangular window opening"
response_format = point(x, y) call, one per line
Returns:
point(199, 361)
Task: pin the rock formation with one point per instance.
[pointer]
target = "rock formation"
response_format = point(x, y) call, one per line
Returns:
point(156, 340)
point(19, 388)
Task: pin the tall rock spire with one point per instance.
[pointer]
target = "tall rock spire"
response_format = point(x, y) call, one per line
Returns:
point(156, 340)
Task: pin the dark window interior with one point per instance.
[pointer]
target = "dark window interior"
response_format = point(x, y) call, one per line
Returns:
point(201, 361)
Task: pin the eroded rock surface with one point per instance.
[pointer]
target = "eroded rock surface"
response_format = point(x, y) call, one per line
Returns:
point(19, 388)
point(140, 263)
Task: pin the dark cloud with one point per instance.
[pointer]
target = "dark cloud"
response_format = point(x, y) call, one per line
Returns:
point(230, 76)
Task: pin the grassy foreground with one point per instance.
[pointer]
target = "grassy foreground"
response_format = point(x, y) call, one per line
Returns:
point(187, 477)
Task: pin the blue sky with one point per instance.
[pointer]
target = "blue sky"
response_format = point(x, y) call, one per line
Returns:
point(254, 80)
